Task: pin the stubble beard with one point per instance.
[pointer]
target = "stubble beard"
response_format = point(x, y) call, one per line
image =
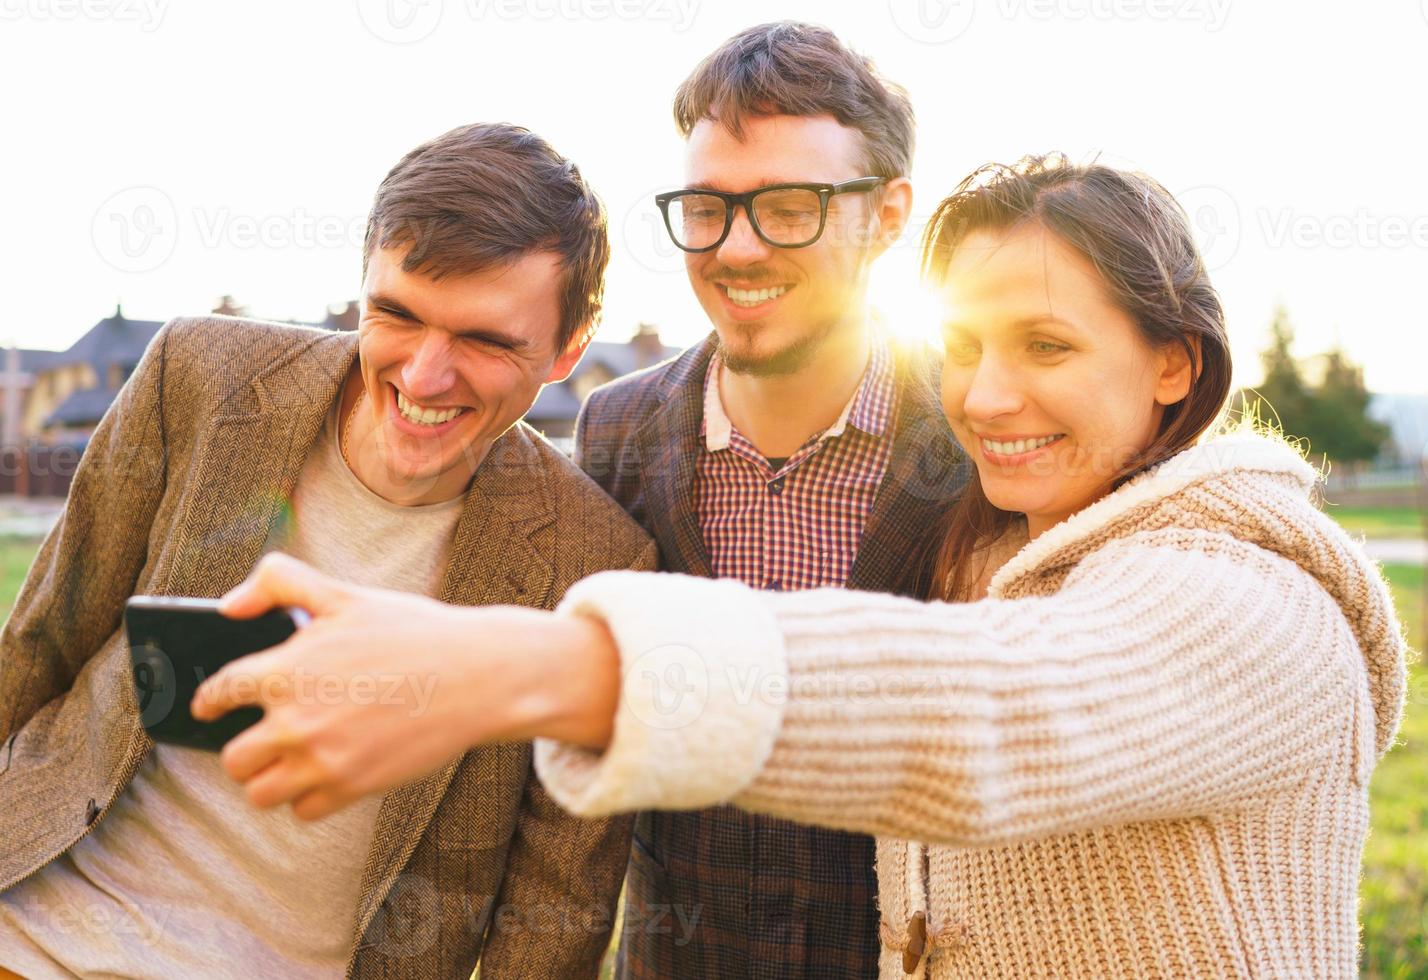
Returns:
point(789, 360)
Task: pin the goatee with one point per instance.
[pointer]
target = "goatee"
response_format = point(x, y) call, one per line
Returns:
point(790, 360)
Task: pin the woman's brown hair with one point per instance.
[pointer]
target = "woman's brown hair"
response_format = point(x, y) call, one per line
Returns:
point(1138, 238)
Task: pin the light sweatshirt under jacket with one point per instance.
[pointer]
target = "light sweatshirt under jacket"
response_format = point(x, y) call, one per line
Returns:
point(1145, 753)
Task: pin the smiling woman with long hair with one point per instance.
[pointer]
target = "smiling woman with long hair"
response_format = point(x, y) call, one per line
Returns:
point(1139, 744)
point(1078, 277)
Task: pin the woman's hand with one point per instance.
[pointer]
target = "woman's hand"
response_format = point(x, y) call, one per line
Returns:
point(384, 687)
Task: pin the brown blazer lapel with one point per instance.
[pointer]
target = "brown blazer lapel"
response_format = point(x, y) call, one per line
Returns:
point(669, 447)
point(249, 459)
point(248, 462)
point(492, 561)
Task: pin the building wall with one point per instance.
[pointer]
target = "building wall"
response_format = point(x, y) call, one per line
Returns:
point(50, 388)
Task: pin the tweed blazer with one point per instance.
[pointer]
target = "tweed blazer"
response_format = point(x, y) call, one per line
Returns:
point(719, 892)
point(183, 486)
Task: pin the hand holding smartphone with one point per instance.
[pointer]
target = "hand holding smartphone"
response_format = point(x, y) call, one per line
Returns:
point(175, 644)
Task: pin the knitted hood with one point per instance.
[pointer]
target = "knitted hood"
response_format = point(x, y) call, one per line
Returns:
point(1257, 489)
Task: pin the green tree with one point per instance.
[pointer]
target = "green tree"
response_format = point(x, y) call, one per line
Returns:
point(1339, 420)
point(1283, 394)
point(1332, 413)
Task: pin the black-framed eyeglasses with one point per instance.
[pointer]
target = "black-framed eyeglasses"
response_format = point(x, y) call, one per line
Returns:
point(783, 215)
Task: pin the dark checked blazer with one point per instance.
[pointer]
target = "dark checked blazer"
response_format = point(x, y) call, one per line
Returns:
point(720, 893)
point(180, 490)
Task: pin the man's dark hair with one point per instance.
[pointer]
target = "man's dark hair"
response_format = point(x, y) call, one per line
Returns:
point(484, 195)
point(794, 69)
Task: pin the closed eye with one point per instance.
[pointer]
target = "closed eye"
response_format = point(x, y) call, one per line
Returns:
point(486, 340)
point(395, 312)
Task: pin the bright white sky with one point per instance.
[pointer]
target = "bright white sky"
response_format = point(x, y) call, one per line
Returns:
point(237, 144)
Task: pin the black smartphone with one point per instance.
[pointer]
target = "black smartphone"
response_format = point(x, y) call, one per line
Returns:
point(175, 644)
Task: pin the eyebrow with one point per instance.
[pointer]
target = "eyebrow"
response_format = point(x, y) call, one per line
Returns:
point(714, 185)
point(485, 334)
point(1024, 323)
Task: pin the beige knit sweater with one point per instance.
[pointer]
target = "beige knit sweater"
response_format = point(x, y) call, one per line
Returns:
point(1146, 753)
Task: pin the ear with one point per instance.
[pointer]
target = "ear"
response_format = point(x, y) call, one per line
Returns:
point(570, 357)
point(893, 213)
point(1178, 372)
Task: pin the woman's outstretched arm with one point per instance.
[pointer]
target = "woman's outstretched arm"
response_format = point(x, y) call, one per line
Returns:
point(1161, 681)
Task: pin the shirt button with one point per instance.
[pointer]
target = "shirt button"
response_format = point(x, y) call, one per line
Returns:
point(91, 813)
point(776, 487)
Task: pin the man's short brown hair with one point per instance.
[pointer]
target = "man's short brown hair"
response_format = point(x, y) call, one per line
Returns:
point(486, 194)
point(792, 69)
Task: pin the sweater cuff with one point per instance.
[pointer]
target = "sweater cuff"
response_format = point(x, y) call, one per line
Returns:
point(701, 700)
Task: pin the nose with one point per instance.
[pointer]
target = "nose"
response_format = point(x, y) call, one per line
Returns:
point(429, 371)
point(742, 246)
point(994, 391)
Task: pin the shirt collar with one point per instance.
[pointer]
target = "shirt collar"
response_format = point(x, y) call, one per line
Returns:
point(868, 410)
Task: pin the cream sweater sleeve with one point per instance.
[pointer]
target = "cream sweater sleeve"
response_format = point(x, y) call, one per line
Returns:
point(1175, 673)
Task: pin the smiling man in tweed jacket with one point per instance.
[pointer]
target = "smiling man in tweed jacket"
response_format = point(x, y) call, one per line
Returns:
point(798, 447)
point(394, 457)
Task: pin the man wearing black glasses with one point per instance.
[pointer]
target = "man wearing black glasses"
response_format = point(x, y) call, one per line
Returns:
point(797, 447)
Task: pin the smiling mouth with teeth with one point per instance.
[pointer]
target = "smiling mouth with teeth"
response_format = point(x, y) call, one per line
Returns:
point(1018, 446)
point(418, 415)
point(752, 297)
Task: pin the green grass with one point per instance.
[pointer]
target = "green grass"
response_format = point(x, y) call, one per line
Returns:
point(15, 557)
point(1379, 522)
point(1394, 889)
point(1393, 893)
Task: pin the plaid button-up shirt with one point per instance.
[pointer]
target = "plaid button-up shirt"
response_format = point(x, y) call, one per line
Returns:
point(797, 526)
point(717, 893)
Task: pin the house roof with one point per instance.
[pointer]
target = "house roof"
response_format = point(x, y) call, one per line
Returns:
point(558, 401)
point(554, 402)
point(113, 340)
point(84, 407)
point(32, 361)
point(621, 358)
